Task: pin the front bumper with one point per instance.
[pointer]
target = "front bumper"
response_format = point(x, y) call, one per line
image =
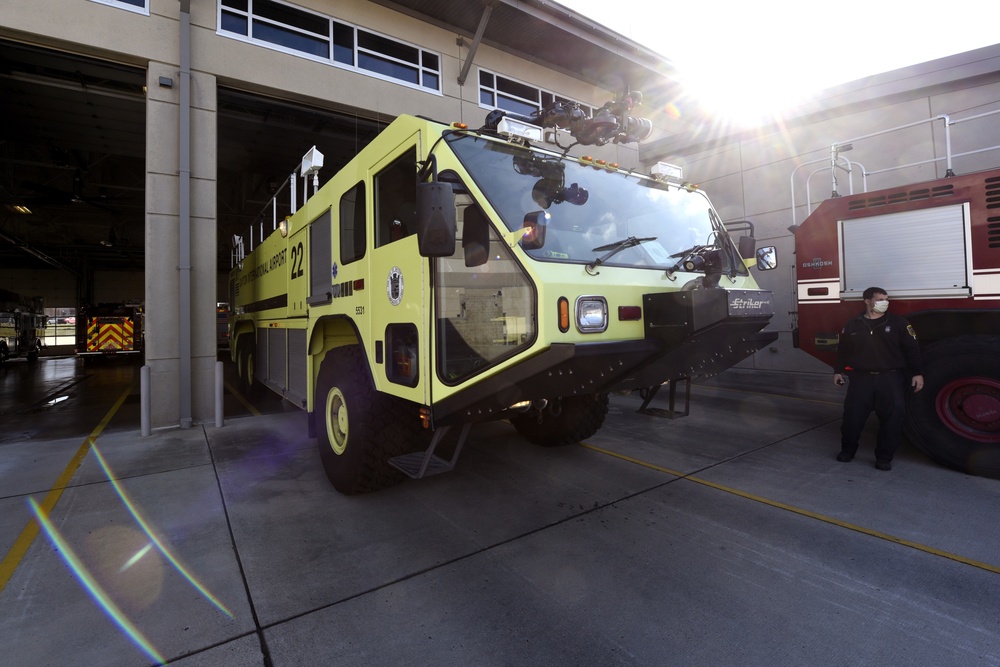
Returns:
point(691, 334)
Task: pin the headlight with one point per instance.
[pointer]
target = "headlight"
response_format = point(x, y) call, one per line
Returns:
point(591, 314)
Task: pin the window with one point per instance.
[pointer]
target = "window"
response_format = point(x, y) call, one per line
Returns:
point(320, 277)
point(403, 364)
point(500, 92)
point(301, 32)
point(397, 60)
point(485, 313)
point(395, 199)
point(61, 327)
point(352, 224)
point(139, 6)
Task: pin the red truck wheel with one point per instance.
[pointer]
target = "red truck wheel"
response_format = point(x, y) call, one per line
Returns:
point(970, 407)
point(956, 418)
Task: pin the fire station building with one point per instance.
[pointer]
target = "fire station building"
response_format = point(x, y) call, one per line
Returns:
point(143, 135)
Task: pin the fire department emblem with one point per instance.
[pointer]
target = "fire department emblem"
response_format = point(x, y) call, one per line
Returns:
point(394, 286)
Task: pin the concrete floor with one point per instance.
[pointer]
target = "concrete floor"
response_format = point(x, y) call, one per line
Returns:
point(728, 537)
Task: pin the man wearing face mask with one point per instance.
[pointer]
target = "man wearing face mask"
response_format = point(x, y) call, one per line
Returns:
point(879, 355)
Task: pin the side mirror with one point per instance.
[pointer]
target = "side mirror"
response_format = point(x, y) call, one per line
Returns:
point(475, 237)
point(534, 227)
point(767, 258)
point(436, 220)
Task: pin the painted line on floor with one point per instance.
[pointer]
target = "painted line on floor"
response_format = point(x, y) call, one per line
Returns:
point(239, 397)
point(802, 512)
point(23, 542)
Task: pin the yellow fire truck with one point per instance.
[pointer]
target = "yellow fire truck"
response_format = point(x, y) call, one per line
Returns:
point(447, 276)
point(22, 323)
point(109, 329)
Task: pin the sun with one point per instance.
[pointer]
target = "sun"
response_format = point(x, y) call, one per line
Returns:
point(747, 92)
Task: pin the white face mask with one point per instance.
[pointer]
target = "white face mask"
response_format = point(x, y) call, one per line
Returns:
point(880, 306)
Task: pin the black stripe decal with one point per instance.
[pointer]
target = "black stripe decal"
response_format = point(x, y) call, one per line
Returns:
point(280, 301)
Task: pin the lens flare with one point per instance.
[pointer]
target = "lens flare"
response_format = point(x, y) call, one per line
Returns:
point(122, 561)
point(154, 540)
point(91, 585)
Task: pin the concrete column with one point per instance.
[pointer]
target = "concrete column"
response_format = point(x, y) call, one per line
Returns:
point(162, 238)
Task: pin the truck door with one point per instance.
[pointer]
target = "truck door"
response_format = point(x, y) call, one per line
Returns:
point(399, 292)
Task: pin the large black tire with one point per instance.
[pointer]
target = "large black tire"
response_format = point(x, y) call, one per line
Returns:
point(359, 429)
point(246, 361)
point(955, 419)
point(564, 421)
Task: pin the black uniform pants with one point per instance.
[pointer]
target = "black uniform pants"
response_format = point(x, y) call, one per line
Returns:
point(885, 394)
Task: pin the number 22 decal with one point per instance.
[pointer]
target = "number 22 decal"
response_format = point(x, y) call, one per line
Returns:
point(298, 255)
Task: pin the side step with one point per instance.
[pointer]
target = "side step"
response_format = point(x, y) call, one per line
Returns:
point(671, 412)
point(421, 464)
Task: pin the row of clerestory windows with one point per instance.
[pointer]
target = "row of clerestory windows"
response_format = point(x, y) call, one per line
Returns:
point(302, 32)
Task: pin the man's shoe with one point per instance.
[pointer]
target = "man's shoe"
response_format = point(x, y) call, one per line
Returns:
point(883, 465)
point(844, 457)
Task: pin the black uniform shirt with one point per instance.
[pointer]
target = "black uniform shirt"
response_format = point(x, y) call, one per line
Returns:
point(886, 343)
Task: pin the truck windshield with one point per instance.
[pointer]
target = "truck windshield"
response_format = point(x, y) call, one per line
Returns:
point(590, 209)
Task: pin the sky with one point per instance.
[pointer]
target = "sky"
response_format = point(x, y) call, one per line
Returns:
point(748, 59)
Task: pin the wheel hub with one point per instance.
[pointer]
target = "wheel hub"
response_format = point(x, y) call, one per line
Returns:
point(971, 408)
point(342, 419)
point(337, 421)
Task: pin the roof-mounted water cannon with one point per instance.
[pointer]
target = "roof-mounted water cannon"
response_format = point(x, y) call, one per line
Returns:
point(612, 122)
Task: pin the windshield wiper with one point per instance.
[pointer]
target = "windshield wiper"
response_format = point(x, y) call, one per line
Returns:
point(724, 243)
point(615, 248)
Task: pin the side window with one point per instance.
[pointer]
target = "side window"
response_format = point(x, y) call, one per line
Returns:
point(352, 224)
point(484, 302)
point(403, 364)
point(395, 199)
point(319, 259)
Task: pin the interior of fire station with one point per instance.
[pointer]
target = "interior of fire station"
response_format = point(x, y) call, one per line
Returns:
point(79, 226)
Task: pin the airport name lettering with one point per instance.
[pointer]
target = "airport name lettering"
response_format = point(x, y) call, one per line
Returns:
point(264, 267)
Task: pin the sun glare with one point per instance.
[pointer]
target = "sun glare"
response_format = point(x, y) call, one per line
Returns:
point(749, 62)
point(743, 94)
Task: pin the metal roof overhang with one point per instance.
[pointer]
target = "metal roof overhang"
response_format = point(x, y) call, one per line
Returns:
point(551, 35)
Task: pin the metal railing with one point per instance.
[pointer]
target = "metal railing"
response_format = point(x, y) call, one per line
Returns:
point(839, 147)
point(311, 163)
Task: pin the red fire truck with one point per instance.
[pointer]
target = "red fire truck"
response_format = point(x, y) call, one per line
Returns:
point(935, 247)
point(109, 329)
